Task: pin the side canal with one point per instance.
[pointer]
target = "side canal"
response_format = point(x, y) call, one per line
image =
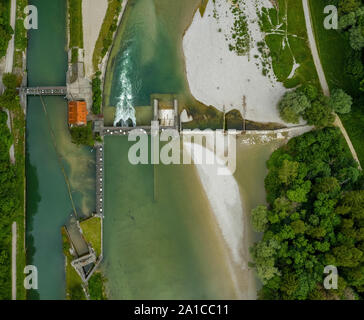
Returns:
point(48, 203)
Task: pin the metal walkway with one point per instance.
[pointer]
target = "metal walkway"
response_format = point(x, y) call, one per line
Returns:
point(43, 91)
point(100, 180)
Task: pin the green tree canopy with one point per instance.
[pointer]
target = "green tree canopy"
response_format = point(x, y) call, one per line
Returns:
point(292, 105)
point(320, 113)
point(340, 101)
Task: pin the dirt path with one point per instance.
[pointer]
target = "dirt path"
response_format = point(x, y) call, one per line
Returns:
point(11, 150)
point(10, 52)
point(321, 74)
point(13, 261)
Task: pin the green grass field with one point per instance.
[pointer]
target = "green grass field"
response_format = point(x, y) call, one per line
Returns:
point(108, 28)
point(75, 23)
point(333, 49)
point(91, 229)
point(287, 41)
point(96, 287)
point(74, 289)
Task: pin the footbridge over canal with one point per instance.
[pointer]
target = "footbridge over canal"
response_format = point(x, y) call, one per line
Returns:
point(43, 91)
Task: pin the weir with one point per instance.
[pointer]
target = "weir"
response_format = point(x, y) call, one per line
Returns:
point(100, 180)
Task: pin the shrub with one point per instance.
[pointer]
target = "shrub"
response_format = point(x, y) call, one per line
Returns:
point(320, 113)
point(10, 80)
point(96, 95)
point(292, 106)
point(83, 135)
point(340, 101)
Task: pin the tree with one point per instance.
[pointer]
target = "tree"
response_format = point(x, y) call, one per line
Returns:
point(340, 101)
point(327, 185)
point(263, 253)
point(354, 67)
point(288, 172)
point(313, 218)
point(9, 99)
point(96, 94)
point(5, 29)
point(347, 20)
point(310, 91)
point(292, 105)
point(76, 293)
point(9, 80)
point(298, 226)
point(259, 218)
point(83, 135)
point(361, 85)
point(356, 37)
point(320, 113)
point(347, 6)
point(289, 285)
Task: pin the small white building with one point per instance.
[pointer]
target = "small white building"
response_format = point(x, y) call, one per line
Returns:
point(166, 117)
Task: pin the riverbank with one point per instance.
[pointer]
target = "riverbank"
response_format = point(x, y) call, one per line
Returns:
point(230, 217)
point(93, 14)
point(231, 197)
point(16, 126)
point(12, 190)
point(107, 34)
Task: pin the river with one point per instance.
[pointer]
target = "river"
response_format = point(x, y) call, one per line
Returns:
point(161, 235)
point(48, 202)
point(165, 227)
point(147, 56)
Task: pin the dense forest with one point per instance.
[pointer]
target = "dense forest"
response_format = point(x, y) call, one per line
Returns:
point(9, 182)
point(5, 29)
point(314, 218)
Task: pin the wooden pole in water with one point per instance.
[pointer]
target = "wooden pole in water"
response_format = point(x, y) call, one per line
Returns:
point(224, 123)
point(155, 184)
point(244, 113)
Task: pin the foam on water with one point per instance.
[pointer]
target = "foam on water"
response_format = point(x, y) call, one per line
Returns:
point(124, 108)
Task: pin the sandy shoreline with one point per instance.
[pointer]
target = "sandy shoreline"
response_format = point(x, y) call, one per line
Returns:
point(231, 222)
point(218, 76)
point(105, 60)
point(93, 14)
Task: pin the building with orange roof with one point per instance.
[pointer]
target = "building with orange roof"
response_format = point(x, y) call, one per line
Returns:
point(77, 113)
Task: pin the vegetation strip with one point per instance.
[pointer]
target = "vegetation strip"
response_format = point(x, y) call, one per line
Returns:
point(75, 23)
point(314, 219)
point(6, 31)
point(342, 63)
point(11, 188)
point(108, 28)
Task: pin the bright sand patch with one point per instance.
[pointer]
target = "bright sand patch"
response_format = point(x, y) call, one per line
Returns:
point(93, 13)
point(223, 194)
point(218, 76)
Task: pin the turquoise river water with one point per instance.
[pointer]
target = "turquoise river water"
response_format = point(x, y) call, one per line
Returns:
point(161, 237)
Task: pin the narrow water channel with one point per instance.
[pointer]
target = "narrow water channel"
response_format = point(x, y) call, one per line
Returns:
point(48, 203)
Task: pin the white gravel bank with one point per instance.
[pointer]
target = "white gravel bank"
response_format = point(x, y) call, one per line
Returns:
point(218, 76)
